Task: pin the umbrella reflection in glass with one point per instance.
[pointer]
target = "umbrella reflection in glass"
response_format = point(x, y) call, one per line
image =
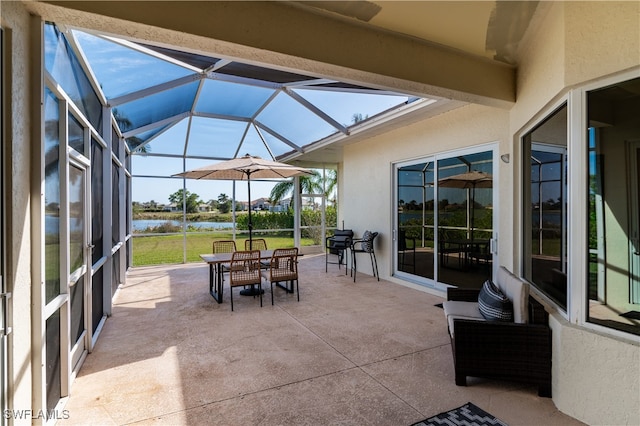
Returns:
point(469, 180)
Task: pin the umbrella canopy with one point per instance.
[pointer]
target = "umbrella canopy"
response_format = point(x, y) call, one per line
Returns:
point(469, 180)
point(245, 168)
point(473, 179)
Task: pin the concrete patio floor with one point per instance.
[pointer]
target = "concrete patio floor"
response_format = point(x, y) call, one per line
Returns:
point(364, 353)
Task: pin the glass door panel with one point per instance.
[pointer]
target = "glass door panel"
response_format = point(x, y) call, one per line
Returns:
point(3, 296)
point(465, 219)
point(614, 207)
point(634, 276)
point(547, 251)
point(78, 242)
point(311, 219)
point(448, 241)
point(98, 252)
point(54, 298)
point(415, 219)
point(53, 361)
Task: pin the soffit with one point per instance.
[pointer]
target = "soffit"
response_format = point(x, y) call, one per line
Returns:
point(405, 47)
point(491, 29)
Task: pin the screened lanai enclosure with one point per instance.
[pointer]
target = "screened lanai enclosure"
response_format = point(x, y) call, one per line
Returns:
point(122, 117)
point(170, 111)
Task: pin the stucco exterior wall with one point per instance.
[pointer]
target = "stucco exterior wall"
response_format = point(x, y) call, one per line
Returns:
point(596, 378)
point(601, 38)
point(15, 23)
point(541, 70)
point(368, 166)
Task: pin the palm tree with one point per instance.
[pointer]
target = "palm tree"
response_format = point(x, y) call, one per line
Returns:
point(133, 141)
point(308, 185)
point(224, 204)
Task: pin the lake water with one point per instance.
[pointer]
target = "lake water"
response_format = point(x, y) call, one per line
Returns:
point(142, 224)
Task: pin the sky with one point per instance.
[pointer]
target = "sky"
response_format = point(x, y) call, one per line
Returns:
point(121, 70)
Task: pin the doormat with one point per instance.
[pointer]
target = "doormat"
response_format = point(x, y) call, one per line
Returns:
point(468, 414)
point(631, 315)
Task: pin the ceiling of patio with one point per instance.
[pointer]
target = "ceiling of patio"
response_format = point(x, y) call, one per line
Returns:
point(218, 100)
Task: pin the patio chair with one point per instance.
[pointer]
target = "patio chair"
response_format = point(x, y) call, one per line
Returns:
point(283, 268)
point(337, 245)
point(480, 256)
point(448, 246)
point(255, 244)
point(518, 349)
point(364, 245)
point(244, 270)
point(406, 244)
point(223, 246)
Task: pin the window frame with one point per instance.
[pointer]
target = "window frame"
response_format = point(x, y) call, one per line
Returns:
point(577, 197)
point(524, 226)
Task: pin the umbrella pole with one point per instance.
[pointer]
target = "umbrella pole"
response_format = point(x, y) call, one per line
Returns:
point(250, 225)
point(253, 291)
point(473, 211)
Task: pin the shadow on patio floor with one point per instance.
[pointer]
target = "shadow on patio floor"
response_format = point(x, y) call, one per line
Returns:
point(364, 353)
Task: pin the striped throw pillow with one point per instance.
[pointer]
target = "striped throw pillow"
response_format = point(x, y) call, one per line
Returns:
point(493, 304)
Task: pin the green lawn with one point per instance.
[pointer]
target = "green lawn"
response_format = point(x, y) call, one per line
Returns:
point(166, 249)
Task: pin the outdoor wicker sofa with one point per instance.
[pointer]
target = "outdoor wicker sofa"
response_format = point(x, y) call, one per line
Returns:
point(517, 351)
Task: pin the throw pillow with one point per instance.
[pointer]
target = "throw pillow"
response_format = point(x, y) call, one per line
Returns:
point(366, 241)
point(493, 304)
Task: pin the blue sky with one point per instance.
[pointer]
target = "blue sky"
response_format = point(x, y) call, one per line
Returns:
point(221, 110)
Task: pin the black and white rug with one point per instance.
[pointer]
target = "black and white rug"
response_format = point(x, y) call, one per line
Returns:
point(467, 415)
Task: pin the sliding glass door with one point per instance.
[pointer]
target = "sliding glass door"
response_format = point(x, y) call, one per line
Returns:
point(444, 221)
point(78, 277)
point(4, 327)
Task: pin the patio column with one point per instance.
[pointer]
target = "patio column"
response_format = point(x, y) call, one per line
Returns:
point(296, 211)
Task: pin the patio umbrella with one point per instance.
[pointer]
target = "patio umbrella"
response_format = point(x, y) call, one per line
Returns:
point(245, 168)
point(469, 180)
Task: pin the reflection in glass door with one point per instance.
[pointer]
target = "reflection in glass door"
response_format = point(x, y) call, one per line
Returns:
point(65, 255)
point(634, 222)
point(444, 231)
point(78, 243)
point(54, 297)
point(415, 219)
point(4, 328)
point(465, 219)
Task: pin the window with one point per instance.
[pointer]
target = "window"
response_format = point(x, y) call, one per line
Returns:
point(613, 138)
point(545, 207)
point(604, 161)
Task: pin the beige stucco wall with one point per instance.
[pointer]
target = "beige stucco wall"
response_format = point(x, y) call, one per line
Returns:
point(15, 23)
point(596, 377)
point(601, 38)
point(368, 166)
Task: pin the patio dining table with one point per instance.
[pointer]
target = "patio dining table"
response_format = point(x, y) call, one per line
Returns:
point(216, 260)
point(464, 247)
